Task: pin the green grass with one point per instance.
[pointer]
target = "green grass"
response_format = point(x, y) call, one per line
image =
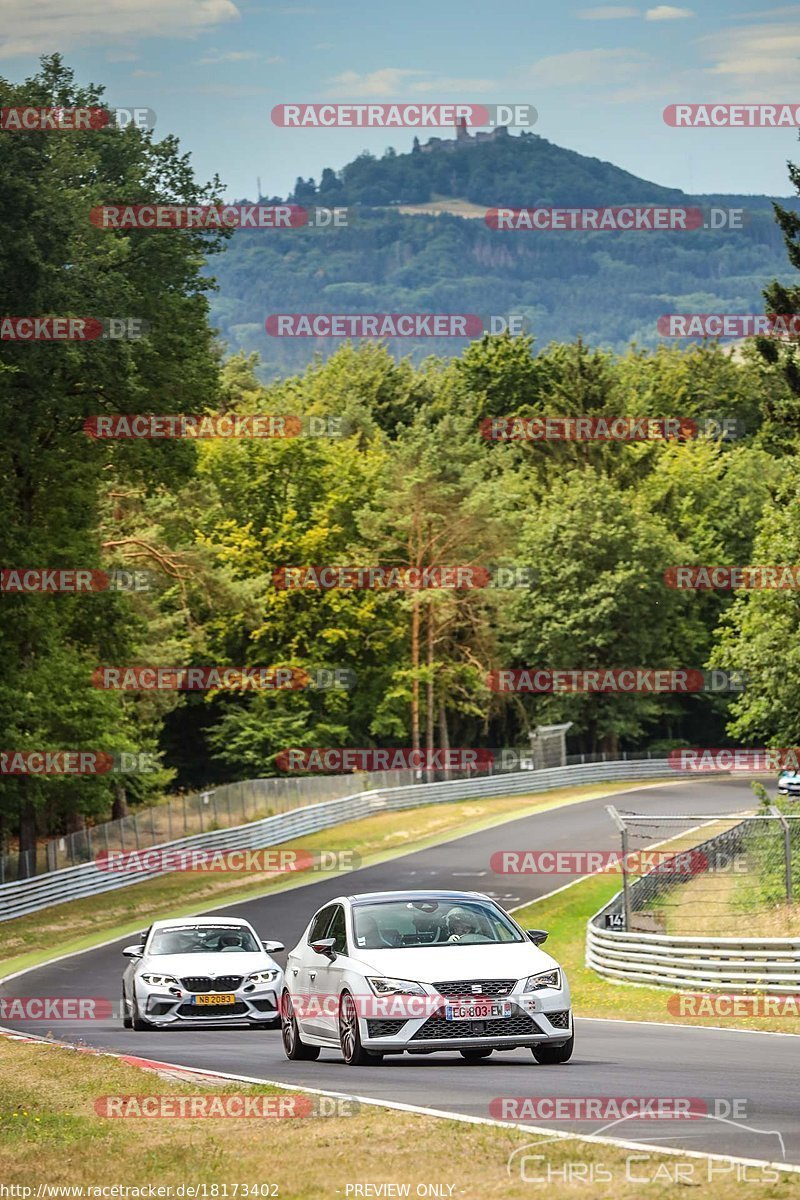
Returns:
point(51, 1134)
point(565, 916)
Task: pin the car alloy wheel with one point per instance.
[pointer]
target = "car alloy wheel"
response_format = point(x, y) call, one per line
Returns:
point(353, 1052)
point(293, 1045)
point(138, 1022)
point(127, 1023)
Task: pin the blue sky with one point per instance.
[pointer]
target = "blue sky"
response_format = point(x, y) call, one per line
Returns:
point(599, 75)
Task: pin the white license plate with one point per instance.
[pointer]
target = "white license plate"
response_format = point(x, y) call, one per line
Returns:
point(215, 998)
point(478, 1010)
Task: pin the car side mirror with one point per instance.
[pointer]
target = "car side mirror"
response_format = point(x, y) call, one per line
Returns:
point(537, 936)
point(325, 947)
point(133, 951)
point(273, 947)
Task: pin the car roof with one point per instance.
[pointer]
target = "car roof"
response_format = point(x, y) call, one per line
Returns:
point(417, 894)
point(172, 922)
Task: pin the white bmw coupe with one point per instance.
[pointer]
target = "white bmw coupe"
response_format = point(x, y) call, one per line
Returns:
point(201, 971)
point(418, 972)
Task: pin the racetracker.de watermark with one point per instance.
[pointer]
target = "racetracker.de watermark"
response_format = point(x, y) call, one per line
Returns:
point(198, 860)
point(539, 680)
point(216, 1105)
point(55, 1008)
point(151, 217)
point(78, 762)
point(604, 429)
point(385, 578)
point(732, 116)
point(30, 119)
point(683, 863)
point(71, 580)
point(725, 325)
point(342, 760)
point(633, 218)
point(198, 679)
point(706, 1004)
point(391, 325)
point(396, 116)
point(212, 425)
point(748, 760)
point(72, 329)
point(613, 1108)
point(725, 579)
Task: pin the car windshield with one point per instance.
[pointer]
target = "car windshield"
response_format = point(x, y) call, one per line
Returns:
point(203, 939)
point(398, 923)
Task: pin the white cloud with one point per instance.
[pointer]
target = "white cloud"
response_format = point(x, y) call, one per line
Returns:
point(391, 82)
point(229, 56)
point(667, 12)
point(756, 54)
point(607, 12)
point(47, 25)
point(386, 82)
point(145, 74)
point(578, 67)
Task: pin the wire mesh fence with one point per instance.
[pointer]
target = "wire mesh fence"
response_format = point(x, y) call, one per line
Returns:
point(732, 874)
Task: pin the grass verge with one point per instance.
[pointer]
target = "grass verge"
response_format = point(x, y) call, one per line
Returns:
point(565, 916)
point(51, 1135)
point(80, 924)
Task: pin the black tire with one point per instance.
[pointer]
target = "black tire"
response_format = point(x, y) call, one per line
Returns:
point(127, 1023)
point(138, 1022)
point(353, 1052)
point(548, 1055)
point(293, 1046)
point(473, 1056)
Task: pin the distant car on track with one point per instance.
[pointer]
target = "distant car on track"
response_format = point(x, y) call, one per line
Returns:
point(789, 784)
point(201, 971)
point(418, 972)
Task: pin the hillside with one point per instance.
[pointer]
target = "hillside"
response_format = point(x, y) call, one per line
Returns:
point(395, 256)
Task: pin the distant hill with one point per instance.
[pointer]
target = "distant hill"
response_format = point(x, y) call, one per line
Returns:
point(609, 287)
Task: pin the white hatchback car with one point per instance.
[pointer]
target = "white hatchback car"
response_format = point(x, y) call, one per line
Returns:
point(201, 971)
point(417, 972)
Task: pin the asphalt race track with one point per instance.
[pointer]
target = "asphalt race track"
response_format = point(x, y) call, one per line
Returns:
point(612, 1058)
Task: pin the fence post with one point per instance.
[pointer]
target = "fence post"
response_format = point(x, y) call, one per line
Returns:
point(787, 850)
point(621, 826)
point(136, 828)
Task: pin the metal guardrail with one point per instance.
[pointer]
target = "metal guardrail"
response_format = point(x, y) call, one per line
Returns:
point(695, 963)
point(73, 883)
point(690, 961)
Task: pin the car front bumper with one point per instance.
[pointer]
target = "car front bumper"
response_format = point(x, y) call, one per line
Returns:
point(524, 1027)
point(162, 1009)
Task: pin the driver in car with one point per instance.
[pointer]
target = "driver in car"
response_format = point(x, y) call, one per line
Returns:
point(462, 926)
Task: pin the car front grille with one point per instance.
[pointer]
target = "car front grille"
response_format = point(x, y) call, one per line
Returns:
point(520, 1025)
point(464, 987)
point(559, 1019)
point(204, 983)
point(212, 1010)
point(384, 1028)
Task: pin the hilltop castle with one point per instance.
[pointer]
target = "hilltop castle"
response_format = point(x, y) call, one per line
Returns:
point(463, 138)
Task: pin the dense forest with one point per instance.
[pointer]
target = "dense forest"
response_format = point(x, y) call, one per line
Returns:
point(408, 481)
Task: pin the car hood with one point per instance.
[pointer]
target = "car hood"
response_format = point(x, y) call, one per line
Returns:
point(230, 963)
point(428, 964)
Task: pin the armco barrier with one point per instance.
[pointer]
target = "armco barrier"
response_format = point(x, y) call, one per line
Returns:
point(73, 883)
point(704, 964)
point(691, 961)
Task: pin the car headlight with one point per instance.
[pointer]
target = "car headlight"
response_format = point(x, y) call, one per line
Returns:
point(545, 979)
point(160, 980)
point(396, 987)
point(263, 976)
